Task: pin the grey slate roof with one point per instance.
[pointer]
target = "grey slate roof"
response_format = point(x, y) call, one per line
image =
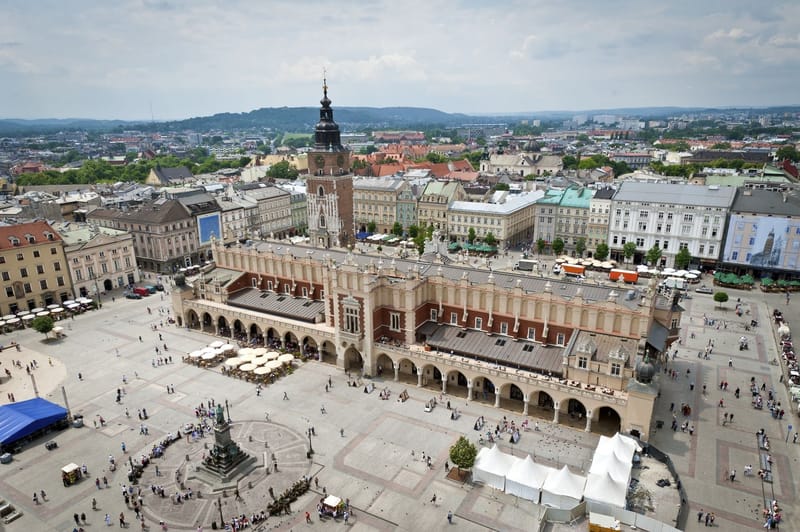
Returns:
point(759, 201)
point(495, 349)
point(566, 289)
point(678, 194)
point(295, 308)
point(166, 175)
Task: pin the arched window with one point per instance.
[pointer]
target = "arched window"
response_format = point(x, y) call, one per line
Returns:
point(320, 191)
point(322, 220)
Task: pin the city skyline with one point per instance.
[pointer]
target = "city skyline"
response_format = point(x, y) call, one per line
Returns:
point(143, 59)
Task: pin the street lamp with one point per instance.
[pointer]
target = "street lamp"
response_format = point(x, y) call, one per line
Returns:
point(96, 287)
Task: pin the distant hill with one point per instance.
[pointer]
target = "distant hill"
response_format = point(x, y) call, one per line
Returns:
point(304, 118)
point(18, 126)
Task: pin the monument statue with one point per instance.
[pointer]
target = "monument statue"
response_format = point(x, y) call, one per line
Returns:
point(220, 419)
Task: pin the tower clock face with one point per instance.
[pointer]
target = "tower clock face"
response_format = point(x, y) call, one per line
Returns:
point(340, 160)
point(320, 160)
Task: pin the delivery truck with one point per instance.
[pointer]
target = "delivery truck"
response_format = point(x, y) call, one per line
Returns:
point(627, 275)
point(573, 270)
point(526, 265)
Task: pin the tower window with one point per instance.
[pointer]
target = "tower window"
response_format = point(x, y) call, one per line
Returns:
point(320, 191)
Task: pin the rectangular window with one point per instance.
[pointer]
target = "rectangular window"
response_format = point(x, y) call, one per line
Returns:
point(104, 267)
point(20, 256)
point(583, 362)
point(43, 284)
point(394, 321)
point(676, 323)
point(304, 291)
point(36, 254)
point(351, 319)
point(454, 318)
point(27, 287)
point(666, 244)
point(615, 369)
point(639, 242)
point(23, 272)
point(269, 285)
point(60, 280)
point(478, 323)
point(531, 333)
point(702, 249)
point(9, 291)
point(504, 328)
point(78, 275)
point(560, 339)
point(434, 314)
point(57, 266)
point(6, 277)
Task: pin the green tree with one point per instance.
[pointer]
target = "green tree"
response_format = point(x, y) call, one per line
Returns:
point(429, 231)
point(788, 152)
point(653, 255)
point(463, 454)
point(282, 170)
point(570, 162)
point(419, 241)
point(366, 150)
point(558, 246)
point(540, 245)
point(620, 168)
point(433, 157)
point(721, 146)
point(413, 231)
point(683, 258)
point(580, 246)
point(471, 235)
point(501, 186)
point(42, 324)
point(371, 227)
point(720, 297)
point(489, 239)
point(628, 250)
point(601, 251)
point(397, 229)
point(474, 158)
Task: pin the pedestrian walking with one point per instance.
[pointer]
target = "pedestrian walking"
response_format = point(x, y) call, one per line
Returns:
point(700, 515)
point(308, 518)
point(433, 499)
point(730, 362)
point(83, 518)
point(107, 519)
point(94, 503)
point(450, 517)
point(43, 494)
point(730, 417)
point(341, 431)
point(35, 498)
point(77, 519)
point(122, 523)
point(794, 439)
point(285, 396)
point(330, 381)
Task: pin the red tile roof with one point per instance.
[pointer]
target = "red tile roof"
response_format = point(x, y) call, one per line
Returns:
point(20, 232)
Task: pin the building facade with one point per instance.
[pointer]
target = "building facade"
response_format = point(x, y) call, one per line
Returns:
point(435, 201)
point(100, 259)
point(165, 235)
point(599, 212)
point(672, 217)
point(572, 221)
point(376, 200)
point(556, 350)
point(33, 267)
point(509, 218)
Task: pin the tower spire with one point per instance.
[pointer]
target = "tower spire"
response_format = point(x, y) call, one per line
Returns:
point(325, 82)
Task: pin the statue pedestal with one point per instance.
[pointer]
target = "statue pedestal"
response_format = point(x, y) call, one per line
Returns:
point(226, 463)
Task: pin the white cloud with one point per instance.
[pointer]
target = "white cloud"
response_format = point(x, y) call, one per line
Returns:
point(193, 57)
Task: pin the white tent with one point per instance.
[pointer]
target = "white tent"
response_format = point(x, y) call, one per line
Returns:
point(491, 467)
point(622, 447)
point(603, 491)
point(610, 464)
point(525, 479)
point(563, 489)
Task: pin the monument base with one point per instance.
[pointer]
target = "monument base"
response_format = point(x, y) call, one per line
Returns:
point(217, 479)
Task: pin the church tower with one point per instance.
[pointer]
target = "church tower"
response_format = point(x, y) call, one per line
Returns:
point(329, 186)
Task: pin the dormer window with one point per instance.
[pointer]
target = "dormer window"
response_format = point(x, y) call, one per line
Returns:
point(14, 240)
point(48, 235)
point(30, 238)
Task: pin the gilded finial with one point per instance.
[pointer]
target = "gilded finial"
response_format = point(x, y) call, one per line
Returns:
point(325, 81)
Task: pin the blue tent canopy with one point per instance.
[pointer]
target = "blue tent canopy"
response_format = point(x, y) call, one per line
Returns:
point(18, 420)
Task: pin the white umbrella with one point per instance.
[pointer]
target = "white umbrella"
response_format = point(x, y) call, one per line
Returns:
point(73, 306)
point(247, 367)
point(196, 354)
point(273, 364)
point(690, 276)
point(247, 357)
point(260, 351)
point(43, 313)
point(272, 355)
point(28, 317)
point(669, 271)
point(8, 316)
point(84, 301)
point(261, 371)
point(681, 273)
point(68, 302)
point(229, 347)
point(285, 359)
point(51, 307)
point(695, 272)
point(244, 351)
point(208, 356)
point(233, 362)
point(12, 321)
point(57, 310)
point(2, 323)
point(23, 313)
point(37, 309)
point(216, 343)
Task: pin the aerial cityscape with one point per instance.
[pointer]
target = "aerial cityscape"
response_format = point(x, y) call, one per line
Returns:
point(287, 266)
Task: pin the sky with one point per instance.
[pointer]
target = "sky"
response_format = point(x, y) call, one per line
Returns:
point(170, 59)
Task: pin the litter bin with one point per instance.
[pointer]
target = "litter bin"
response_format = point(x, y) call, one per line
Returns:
point(659, 424)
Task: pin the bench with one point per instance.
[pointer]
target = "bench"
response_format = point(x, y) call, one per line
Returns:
point(12, 516)
point(761, 444)
point(766, 467)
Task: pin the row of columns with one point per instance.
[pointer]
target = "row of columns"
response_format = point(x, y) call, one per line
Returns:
point(526, 398)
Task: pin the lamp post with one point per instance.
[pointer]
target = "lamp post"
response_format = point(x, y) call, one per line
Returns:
point(93, 277)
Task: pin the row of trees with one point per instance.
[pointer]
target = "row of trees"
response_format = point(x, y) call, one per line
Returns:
point(653, 255)
point(100, 171)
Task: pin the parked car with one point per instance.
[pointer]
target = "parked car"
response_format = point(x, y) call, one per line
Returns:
point(160, 287)
point(141, 290)
point(150, 288)
point(704, 290)
point(132, 295)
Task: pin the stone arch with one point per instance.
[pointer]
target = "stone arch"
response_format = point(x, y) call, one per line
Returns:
point(353, 360)
point(207, 323)
point(223, 329)
point(430, 377)
point(192, 319)
point(273, 338)
point(407, 371)
point(290, 342)
point(238, 330)
point(541, 405)
point(575, 412)
point(384, 365)
point(327, 353)
point(457, 383)
point(309, 347)
point(255, 334)
point(607, 421)
point(484, 390)
point(512, 397)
